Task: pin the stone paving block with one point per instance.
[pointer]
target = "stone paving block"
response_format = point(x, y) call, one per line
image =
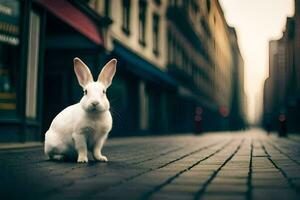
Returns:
point(169, 169)
point(181, 189)
point(233, 173)
point(270, 183)
point(238, 158)
point(195, 174)
point(267, 175)
point(204, 167)
point(259, 153)
point(235, 167)
point(273, 194)
point(262, 170)
point(224, 197)
point(113, 195)
point(226, 188)
point(214, 161)
point(192, 182)
point(171, 196)
point(230, 181)
point(292, 173)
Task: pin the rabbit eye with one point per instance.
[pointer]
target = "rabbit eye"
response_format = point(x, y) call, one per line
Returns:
point(104, 92)
point(85, 92)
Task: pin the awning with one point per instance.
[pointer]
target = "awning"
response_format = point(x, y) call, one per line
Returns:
point(143, 68)
point(74, 18)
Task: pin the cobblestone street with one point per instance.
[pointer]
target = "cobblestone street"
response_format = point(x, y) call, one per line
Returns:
point(239, 165)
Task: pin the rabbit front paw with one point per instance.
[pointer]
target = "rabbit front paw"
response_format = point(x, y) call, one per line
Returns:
point(82, 159)
point(100, 157)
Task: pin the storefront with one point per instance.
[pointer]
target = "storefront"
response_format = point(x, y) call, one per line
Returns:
point(38, 41)
point(12, 68)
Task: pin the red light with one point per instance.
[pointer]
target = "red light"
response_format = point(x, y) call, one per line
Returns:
point(223, 111)
point(282, 118)
point(199, 110)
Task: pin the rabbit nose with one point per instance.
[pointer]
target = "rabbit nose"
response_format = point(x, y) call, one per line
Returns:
point(95, 103)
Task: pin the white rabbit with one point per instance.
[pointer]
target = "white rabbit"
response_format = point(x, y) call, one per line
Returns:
point(84, 126)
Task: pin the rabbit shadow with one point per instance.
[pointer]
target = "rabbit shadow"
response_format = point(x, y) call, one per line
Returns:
point(70, 160)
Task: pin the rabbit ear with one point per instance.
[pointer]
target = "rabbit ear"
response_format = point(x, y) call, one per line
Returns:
point(107, 73)
point(82, 72)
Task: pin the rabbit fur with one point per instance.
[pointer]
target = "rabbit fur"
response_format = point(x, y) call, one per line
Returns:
point(84, 126)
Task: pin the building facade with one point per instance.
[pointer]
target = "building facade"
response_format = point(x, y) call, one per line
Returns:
point(238, 101)
point(142, 87)
point(281, 96)
point(202, 46)
point(179, 65)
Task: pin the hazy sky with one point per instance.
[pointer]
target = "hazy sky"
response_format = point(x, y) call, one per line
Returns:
point(256, 22)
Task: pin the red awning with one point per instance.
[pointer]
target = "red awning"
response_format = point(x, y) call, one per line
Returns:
point(74, 17)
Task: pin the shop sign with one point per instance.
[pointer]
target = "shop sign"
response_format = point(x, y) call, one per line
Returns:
point(9, 21)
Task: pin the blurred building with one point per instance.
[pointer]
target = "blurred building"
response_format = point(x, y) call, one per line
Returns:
point(238, 102)
point(201, 56)
point(179, 64)
point(281, 95)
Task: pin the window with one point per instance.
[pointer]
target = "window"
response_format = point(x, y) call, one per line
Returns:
point(107, 8)
point(205, 27)
point(172, 2)
point(158, 2)
point(142, 21)
point(155, 34)
point(208, 5)
point(9, 55)
point(169, 48)
point(126, 16)
point(90, 3)
point(194, 7)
